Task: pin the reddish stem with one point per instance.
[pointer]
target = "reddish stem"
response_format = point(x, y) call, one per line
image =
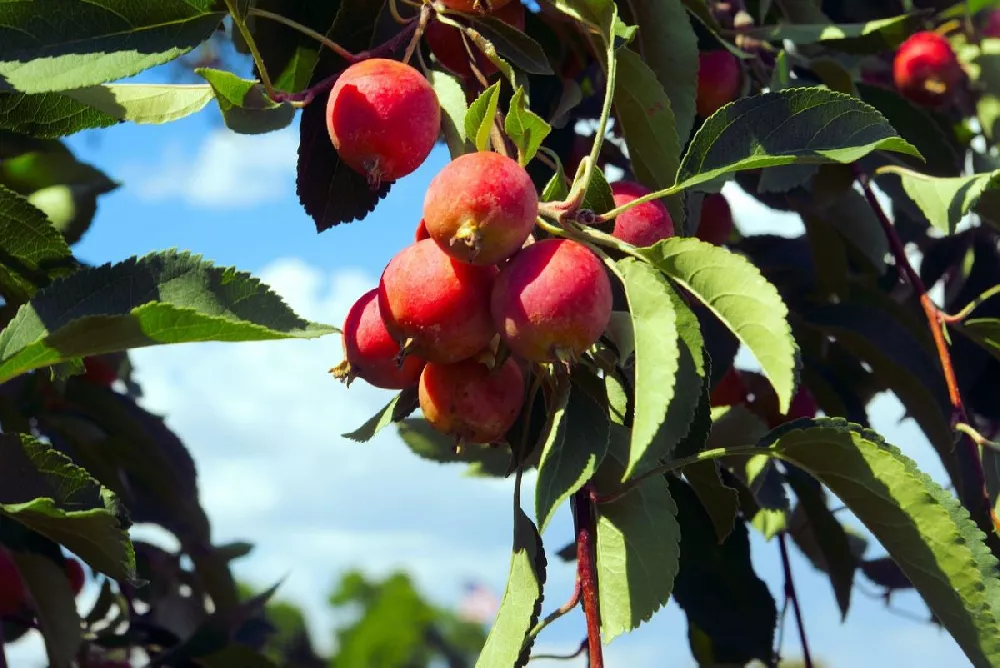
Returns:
point(792, 595)
point(977, 496)
point(586, 570)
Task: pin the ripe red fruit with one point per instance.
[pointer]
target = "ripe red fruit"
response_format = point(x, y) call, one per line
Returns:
point(469, 401)
point(13, 594)
point(436, 306)
point(74, 572)
point(421, 232)
point(371, 352)
point(98, 371)
point(448, 46)
point(719, 81)
point(644, 224)
point(552, 301)
point(991, 27)
point(730, 390)
point(716, 221)
point(383, 118)
point(481, 207)
point(476, 5)
point(926, 69)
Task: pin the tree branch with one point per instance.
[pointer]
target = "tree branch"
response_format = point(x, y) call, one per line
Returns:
point(586, 540)
point(792, 596)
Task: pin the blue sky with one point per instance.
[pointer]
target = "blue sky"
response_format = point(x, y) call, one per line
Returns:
point(263, 420)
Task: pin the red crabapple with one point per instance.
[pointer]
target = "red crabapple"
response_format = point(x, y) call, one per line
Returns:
point(383, 118)
point(477, 6)
point(716, 221)
point(436, 306)
point(75, 574)
point(644, 224)
point(730, 390)
point(481, 207)
point(370, 351)
point(552, 301)
point(448, 45)
point(470, 402)
point(991, 27)
point(719, 81)
point(926, 69)
point(13, 594)
point(97, 370)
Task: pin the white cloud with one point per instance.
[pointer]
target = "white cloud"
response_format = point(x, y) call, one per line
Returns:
point(227, 170)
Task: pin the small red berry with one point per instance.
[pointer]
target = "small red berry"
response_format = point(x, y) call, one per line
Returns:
point(719, 81)
point(448, 45)
point(644, 224)
point(371, 353)
point(13, 594)
point(437, 306)
point(98, 371)
point(75, 574)
point(383, 118)
point(716, 222)
point(926, 69)
point(552, 301)
point(469, 401)
point(481, 207)
point(730, 390)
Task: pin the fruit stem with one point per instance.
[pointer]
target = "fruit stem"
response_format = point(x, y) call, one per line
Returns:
point(258, 60)
point(563, 610)
point(792, 596)
point(602, 122)
point(974, 493)
point(970, 307)
point(586, 572)
point(659, 194)
point(308, 32)
point(425, 15)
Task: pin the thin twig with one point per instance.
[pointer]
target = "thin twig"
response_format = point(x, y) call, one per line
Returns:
point(561, 657)
point(258, 60)
point(562, 611)
point(586, 540)
point(308, 32)
point(970, 307)
point(977, 498)
point(793, 597)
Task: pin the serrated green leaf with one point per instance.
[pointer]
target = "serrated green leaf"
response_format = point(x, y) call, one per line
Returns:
point(482, 113)
point(742, 299)
point(246, 108)
point(145, 103)
point(670, 49)
point(885, 33)
point(598, 197)
point(43, 490)
point(795, 125)
point(922, 527)
point(161, 298)
point(513, 45)
point(52, 45)
point(55, 604)
point(428, 443)
point(572, 453)
point(944, 201)
point(643, 109)
point(638, 545)
point(398, 408)
point(598, 13)
point(522, 600)
point(451, 96)
point(31, 251)
point(525, 128)
point(49, 115)
point(556, 189)
point(985, 331)
point(656, 358)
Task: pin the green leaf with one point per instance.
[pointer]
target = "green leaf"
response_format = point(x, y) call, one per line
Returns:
point(55, 604)
point(922, 527)
point(985, 332)
point(43, 490)
point(522, 600)
point(49, 115)
point(576, 446)
point(945, 201)
point(742, 299)
point(401, 406)
point(452, 98)
point(792, 126)
point(245, 105)
point(656, 359)
point(32, 250)
point(883, 33)
point(428, 443)
point(53, 45)
point(525, 128)
point(161, 298)
point(670, 50)
point(482, 113)
point(598, 197)
point(638, 546)
point(145, 103)
point(513, 45)
point(643, 109)
point(598, 13)
point(556, 189)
